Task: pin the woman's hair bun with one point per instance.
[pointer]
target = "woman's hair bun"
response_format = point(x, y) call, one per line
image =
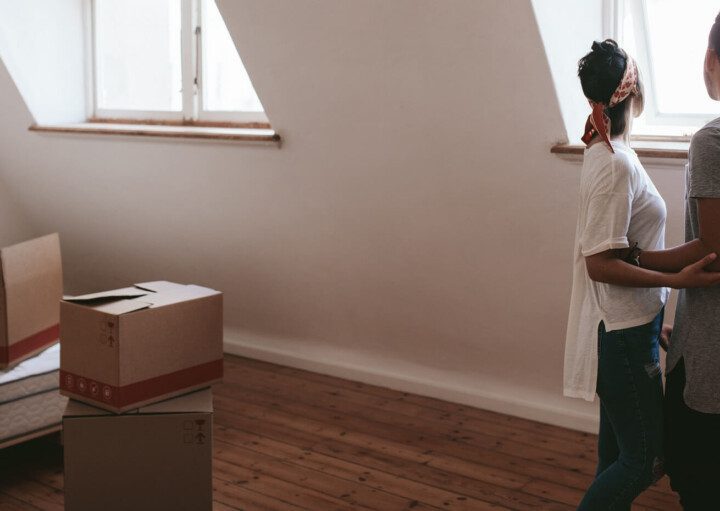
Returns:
point(607, 46)
point(601, 70)
point(600, 73)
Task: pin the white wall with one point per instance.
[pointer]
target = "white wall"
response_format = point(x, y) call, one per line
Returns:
point(414, 229)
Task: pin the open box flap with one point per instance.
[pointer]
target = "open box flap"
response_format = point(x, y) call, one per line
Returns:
point(31, 284)
point(147, 294)
point(78, 409)
point(121, 307)
point(158, 286)
point(125, 292)
point(31, 259)
point(180, 293)
point(197, 401)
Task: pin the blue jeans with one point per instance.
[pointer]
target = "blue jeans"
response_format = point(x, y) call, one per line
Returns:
point(630, 444)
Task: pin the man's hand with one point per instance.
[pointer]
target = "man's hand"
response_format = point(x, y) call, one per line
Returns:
point(694, 275)
point(665, 335)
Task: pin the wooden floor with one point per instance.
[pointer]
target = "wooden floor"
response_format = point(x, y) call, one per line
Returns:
point(289, 440)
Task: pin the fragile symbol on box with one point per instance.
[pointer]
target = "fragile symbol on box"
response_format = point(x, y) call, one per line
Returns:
point(200, 436)
point(107, 335)
point(193, 433)
point(188, 435)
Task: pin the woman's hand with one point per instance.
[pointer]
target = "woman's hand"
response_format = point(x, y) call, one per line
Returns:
point(665, 335)
point(694, 275)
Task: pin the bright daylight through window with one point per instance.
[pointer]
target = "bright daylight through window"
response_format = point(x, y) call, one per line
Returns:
point(167, 60)
point(669, 39)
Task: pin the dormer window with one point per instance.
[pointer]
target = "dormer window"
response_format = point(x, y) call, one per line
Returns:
point(169, 61)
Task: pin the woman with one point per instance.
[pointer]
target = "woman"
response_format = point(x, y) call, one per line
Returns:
point(616, 310)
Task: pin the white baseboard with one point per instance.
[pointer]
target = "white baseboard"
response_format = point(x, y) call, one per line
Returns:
point(411, 378)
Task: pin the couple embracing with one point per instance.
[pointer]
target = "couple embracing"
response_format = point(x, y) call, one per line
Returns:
point(621, 277)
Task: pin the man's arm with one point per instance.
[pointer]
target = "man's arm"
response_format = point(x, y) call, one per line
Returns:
point(675, 259)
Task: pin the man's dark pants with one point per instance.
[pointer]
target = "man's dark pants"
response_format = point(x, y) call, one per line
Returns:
point(692, 448)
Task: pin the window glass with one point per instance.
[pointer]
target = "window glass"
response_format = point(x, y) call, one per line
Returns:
point(629, 41)
point(677, 37)
point(225, 83)
point(138, 55)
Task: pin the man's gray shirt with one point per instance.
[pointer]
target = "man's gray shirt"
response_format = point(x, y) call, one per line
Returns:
point(696, 336)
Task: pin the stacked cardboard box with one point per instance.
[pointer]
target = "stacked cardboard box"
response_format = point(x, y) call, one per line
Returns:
point(30, 289)
point(159, 457)
point(31, 285)
point(130, 353)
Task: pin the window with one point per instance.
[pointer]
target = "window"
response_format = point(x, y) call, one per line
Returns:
point(669, 39)
point(167, 60)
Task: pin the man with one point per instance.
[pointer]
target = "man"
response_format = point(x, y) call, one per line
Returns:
point(692, 396)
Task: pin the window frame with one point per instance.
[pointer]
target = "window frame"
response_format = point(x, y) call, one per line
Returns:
point(658, 125)
point(192, 112)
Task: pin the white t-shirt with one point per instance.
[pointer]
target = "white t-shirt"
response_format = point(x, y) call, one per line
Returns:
point(618, 202)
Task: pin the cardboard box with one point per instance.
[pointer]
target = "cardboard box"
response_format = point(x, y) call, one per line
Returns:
point(30, 290)
point(134, 346)
point(157, 457)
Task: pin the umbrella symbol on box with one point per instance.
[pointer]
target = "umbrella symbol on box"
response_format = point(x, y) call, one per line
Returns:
point(200, 436)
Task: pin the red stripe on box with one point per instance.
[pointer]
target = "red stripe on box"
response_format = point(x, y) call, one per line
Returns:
point(29, 344)
point(138, 392)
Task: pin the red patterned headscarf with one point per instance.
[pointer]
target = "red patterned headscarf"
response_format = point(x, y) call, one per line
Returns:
point(598, 121)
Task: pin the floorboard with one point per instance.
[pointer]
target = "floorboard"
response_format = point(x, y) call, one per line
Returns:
point(291, 440)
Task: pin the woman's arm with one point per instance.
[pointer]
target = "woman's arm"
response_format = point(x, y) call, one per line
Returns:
point(606, 267)
point(674, 259)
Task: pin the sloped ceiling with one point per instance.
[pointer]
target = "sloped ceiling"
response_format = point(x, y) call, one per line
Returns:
point(42, 45)
point(568, 28)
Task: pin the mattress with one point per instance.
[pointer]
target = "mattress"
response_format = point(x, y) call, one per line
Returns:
point(29, 400)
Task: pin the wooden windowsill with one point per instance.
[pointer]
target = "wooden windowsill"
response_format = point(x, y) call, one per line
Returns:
point(644, 148)
point(235, 134)
point(183, 122)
